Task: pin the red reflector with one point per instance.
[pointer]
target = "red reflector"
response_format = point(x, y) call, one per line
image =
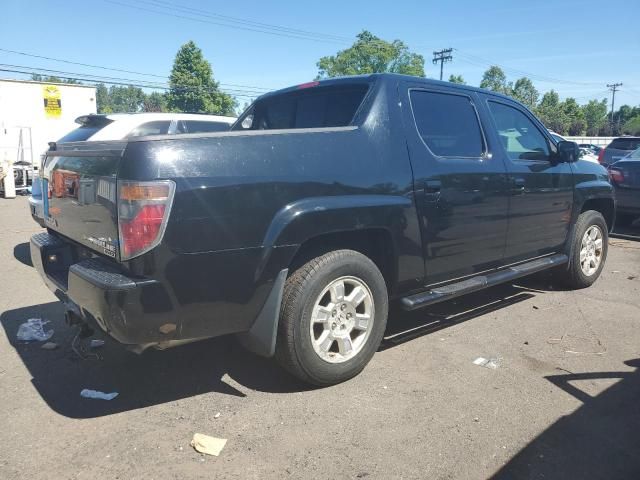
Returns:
point(616, 175)
point(142, 230)
point(308, 85)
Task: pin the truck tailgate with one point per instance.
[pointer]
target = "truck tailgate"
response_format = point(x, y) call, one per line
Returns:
point(81, 197)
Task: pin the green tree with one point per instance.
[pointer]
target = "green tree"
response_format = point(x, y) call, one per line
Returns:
point(632, 126)
point(595, 116)
point(525, 92)
point(457, 79)
point(370, 54)
point(193, 88)
point(126, 99)
point(550, 112)
point(494, 79)
point(103, 100)
point(574, 117)
point(53, 79)
point(154, 102)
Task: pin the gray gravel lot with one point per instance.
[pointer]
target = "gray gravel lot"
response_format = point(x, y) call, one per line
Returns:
point(563, 403)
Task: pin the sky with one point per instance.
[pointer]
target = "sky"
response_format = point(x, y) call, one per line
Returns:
point(573, 47)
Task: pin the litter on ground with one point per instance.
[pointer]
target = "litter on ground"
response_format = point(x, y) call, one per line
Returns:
point(32, 330)
point(49, 346)
point(492, 363)
point(98, 395)
point(209, 445)
point(96, 343)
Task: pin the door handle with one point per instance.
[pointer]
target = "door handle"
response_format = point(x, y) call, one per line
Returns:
point(519, 184)
point(432, 186)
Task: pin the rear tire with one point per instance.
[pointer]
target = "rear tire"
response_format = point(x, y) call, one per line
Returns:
point(589, 248)
point(333, 317)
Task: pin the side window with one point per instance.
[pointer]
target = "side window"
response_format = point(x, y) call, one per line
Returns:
point(158, 127)
point(520, 138)
point(201, 126)
point(448, 124)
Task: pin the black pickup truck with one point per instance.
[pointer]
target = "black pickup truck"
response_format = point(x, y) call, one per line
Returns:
point(326, 201)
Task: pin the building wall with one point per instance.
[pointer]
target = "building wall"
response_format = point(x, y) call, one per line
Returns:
point(22, 110)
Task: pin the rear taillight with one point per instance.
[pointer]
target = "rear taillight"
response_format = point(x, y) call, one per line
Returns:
point(143, 211)
point(600, 155)
point(616, 175)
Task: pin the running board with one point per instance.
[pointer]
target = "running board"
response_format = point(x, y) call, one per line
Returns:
point(446, 292)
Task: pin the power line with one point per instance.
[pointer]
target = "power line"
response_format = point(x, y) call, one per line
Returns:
point(222, 24)
point(442, 56)
point(115, 69)
point(110, 81)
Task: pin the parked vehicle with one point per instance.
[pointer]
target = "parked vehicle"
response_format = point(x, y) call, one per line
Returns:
point(625, 176)
point(117, 126)
point(324, 203)
point(594, 148)
point(617, 149)
point(588, 155)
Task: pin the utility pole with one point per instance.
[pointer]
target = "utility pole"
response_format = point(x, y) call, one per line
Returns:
point(442, 56)
point(613, 87)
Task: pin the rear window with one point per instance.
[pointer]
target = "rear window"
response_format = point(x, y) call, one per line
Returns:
point(81, 134)
point(625, 143)
point(158, 127)
point(314, 107)
point(202, 126)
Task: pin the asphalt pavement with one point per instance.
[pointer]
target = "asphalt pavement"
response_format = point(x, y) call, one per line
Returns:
point(562, 403)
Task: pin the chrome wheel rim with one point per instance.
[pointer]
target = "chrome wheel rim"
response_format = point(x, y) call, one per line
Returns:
point(342, 319)
point(591, 250)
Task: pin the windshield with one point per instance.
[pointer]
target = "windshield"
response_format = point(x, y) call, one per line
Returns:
point(313, 107)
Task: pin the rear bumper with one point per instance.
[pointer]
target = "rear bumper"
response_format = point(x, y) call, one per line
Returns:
point(142, 312)
point(101, 295)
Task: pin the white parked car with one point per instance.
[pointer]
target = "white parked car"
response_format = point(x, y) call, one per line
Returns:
point(118, 126)
point(585, 153)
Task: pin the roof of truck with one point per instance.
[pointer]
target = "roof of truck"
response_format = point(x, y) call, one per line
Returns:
point(382, 76)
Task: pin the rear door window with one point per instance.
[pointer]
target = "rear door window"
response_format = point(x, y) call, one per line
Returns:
point(447, 123)
point(157, 127)
point(625, 143)
point(314, 107)
point(519, 136)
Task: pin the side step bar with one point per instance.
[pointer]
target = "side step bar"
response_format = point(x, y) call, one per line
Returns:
point(446, 292)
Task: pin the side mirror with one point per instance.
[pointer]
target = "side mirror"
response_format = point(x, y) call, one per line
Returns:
point(568, 151)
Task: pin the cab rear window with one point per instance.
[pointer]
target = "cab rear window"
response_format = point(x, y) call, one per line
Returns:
point(315, 107)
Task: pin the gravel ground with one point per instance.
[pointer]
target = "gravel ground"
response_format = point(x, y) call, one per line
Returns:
point(563, 403)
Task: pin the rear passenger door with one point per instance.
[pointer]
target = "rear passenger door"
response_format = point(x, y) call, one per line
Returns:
point(541, 188)
point(460, 189)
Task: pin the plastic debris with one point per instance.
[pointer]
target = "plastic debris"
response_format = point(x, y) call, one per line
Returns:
point(217, 415)
point(49, 346)
point(98, 395)
point(32, 330)
point(96, 343)
point(491, 363)
point(209, 445)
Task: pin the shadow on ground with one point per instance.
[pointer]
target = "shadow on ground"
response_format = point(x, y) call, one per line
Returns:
point(216, 365)
point(598, 441)
point(22, 253)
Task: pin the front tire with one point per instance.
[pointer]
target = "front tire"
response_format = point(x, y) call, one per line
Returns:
point(333, 317)
point(589, 248)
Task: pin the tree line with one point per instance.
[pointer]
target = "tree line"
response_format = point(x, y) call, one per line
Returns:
point(192, 88)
